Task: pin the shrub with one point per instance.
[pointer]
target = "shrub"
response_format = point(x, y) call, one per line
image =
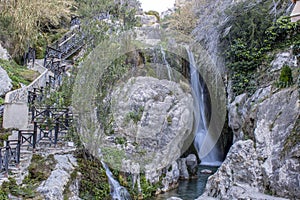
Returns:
point(286, 77)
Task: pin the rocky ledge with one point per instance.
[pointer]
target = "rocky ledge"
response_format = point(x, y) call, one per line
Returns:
point(265, 156)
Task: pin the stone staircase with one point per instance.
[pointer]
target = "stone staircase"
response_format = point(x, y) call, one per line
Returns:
point(47, 127)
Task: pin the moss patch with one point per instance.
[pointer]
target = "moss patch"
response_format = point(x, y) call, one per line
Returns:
point(18, 74)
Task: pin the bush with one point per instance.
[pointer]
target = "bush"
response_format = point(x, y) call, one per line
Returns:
point(251, 37)
point(286, 77)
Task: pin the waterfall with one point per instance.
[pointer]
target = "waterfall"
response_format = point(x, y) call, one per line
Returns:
point(166, 63)
point(117, 191)
point(214, 157)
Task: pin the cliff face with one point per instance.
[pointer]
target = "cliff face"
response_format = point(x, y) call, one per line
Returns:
point(263, 161)
point(269, 161)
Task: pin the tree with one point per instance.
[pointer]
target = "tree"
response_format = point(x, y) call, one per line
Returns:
point(184, 19)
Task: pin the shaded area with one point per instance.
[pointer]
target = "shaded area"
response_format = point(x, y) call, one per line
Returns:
point(189, 189)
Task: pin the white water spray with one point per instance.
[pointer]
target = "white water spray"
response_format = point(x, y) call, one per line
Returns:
point(166, 63)
point(214, 157)
point(117, 191)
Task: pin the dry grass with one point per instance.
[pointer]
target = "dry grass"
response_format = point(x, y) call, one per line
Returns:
point(184, 19)
point(27, 18)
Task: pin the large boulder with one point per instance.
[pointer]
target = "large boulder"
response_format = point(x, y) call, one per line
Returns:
point(153, 121)
point(5, 82)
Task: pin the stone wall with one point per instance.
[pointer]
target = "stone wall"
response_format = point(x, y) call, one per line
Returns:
point(15, 106)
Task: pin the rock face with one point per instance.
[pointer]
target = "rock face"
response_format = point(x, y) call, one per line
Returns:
point(241, 167)
point(153, 126)
point(5, 82)
point(270, 118)
point(154, 116)
point(4, 55)
point(54, 186)
point(147, 20)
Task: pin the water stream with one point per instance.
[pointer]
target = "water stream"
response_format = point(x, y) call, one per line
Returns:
point(214, 157)
point(189, 189)
point(117, 191)
point(163, 53)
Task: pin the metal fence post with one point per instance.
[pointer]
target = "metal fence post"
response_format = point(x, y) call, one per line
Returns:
point(1, 159)
point(18, 152)
point(34, 135)
point(56, 133)
point(6, 157)
point(67, 119)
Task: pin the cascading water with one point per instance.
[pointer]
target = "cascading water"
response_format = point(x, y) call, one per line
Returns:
point(166, 63)
point(117, 191)
point(214, 157)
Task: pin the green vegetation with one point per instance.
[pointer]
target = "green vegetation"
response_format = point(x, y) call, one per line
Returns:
point(252, 36)
point(112, 74)
point(148, 189)
point(94, 184)
point(39, 170)
point(113, 156)
point(135, 115)
point(120, 140)
point(286, 77)
point(154, 13)
point(169, 119)
point(18, 74)
point(97, 30)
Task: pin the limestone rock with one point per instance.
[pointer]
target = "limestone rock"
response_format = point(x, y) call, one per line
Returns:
point(192, 164)
point(170, 181)
point(241, 167)
point(271, 119)
point(4, 55)
point(184, 174)
point(154, 118)
point(235, 119)
point(147, 20)
point(277, 125)
point(5, 82)
point(283, 58)
point(53, 187)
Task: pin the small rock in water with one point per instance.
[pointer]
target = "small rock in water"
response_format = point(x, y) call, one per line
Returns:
point(206, 171)
point(174, 198)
